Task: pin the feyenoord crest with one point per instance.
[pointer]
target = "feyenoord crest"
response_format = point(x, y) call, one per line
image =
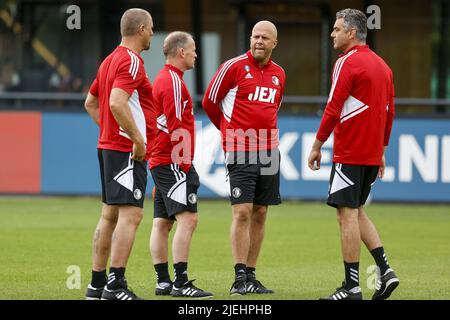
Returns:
point(247, 68)
point(192, 198)
point(236, 192)
point(275, 80)
point(137, 194)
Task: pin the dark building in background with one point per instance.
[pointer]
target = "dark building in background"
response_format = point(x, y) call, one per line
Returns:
point(39, 54)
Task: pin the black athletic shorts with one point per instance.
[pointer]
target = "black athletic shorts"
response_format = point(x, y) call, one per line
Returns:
point(254, 177)
point(350, 184)
point(123, 180)
point(175, 191)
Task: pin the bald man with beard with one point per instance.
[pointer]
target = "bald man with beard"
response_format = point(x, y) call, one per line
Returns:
point(242, 101)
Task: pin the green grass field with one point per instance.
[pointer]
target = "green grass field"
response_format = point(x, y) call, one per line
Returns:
point(41, 237)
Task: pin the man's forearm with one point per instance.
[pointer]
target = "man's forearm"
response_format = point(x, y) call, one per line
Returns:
point(317, 145)
point(124, 118)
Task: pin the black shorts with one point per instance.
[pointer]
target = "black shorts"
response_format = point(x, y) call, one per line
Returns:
point(123, 180)
point(254, 177)
point(350, 184)
point(175, 191)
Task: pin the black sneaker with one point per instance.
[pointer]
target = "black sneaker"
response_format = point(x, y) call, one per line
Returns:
point(122, 293)
point(344, 294)
point(385, 285)
point(255, 286)
point(93, 293)
point(163, 288)
point(188, 290)
point(238, 288)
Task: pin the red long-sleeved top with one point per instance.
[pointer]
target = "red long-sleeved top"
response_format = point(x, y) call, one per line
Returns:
point(242, 101)
point(360, 107)
point(175, 124)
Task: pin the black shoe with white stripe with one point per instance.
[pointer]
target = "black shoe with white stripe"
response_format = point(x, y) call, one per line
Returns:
point(188, 290)
point(255, 286)
point(385, 285)
point(93, 293)
point(122, 293)
point(163, 288)
point(344, 294)
point(239, 288)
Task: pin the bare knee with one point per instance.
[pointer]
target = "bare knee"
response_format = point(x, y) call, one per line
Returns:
point(241, 215)
point(131, 215)
point(162, 225)
point(191, 221)
point(259, 215)
point(347, 216)
point(110, 214)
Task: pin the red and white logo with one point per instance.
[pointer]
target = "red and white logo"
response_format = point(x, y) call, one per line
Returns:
point(275, 80)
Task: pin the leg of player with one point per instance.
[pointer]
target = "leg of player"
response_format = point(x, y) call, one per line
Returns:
point(101, 248)
point(257, 229)
point(350, 245)
point(182, 287)
point(387, 280)
point(240, 244)
point(122, 242)
point(159, 241)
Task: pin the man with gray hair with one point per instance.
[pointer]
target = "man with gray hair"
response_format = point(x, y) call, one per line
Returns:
point(120, 102)
point(176, 181)
point(360, 111)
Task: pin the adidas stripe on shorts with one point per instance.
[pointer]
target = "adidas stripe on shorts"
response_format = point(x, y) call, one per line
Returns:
point(123, 180)
point(350, 185)
point(176, 191)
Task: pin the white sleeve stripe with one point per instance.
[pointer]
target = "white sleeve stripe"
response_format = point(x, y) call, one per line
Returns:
point(180, 103)
point(336, 67)
point(134, 66)
point(176, 82)
point(337, 72)
point(132, 61)
point(221, 70)
point(218, 81)
point(175, 101)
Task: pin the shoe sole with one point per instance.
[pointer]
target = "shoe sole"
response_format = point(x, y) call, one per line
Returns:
point(207, 297)
point(90, 298)
point(237, 294)
point(391, 285)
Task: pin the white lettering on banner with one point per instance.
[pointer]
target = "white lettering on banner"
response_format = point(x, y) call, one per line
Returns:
point(426, 162)
point(445, 174)
point(263, 94)
point(413, 157)
point(208, 146)
point(287, 167)
point(389, 174)
point(323, 174)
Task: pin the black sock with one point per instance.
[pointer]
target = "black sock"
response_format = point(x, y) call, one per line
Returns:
point(380, 259)
point(181, 276)
point(98, 279)
point(351, 275)
point(162, 272)
point(239, 269)
point(251, 272)
point(115, 274)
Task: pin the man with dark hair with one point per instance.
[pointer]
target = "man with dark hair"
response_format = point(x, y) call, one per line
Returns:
point(171, 166)
point(242, 101)
point(120, 101)
point(360, 111)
